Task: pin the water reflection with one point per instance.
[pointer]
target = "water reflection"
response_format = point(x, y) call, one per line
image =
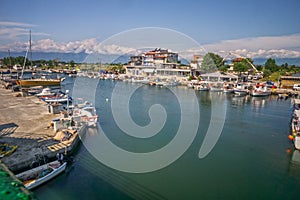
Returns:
point(240, 100)
point(294, 164)
point(296, 158)
point(259, 102)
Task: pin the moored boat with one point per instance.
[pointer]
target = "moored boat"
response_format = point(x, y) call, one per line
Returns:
point(39, 175)
point(241, 89)
point(38, 82)
point(216, 87)
point(45, 92)
point(202, 86)
point(54, 99)
point(228, 88)
point(85, 113)
point(260, 91)
point(295, 135)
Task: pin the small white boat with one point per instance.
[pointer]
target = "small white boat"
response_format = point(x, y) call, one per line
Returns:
point(35, 90)
point(64, 99)
point(241, 89)
point(295, 135)
point(228, 88)
point(45, 92)
point(260, 91)
point(255, 93)
point(216, 87)
point(85, 113)
point(142, 80)
point(167, 83)
point(39, 175)
point(201, 87)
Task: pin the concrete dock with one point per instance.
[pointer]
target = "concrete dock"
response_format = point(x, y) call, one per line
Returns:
point(25, 122)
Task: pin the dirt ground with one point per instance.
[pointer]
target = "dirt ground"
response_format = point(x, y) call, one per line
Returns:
point(25, 122)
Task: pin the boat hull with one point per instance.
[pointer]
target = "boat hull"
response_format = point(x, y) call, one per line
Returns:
point(297, 142)
point(203, 89)
point(228, 91)
point(240, 92)
point(37, 182)
point(38, 82)
point(57, 100)
point(260, 94)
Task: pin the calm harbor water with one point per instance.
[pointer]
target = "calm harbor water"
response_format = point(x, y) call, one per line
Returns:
point(249, 161)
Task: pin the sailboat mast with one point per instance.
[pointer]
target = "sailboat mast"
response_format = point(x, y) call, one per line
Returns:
point(9, 58)
point(30, 49)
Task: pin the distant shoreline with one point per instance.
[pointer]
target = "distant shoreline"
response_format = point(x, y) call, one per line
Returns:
point(108, 58)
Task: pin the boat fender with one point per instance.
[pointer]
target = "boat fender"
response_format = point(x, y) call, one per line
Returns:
point(291, 137)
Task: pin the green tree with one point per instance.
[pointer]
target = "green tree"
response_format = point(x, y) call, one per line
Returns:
point(271, 65)
point(211, 62)
point(259, 67)
point(242, 66)
point(72, 64)
point(267, 73)
point(224, 68)
point(15, 61)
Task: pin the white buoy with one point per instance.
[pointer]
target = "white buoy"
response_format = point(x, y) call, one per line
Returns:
point(106, 99)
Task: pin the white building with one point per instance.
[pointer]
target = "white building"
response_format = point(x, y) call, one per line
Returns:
point(158, 62)
point(196, 63)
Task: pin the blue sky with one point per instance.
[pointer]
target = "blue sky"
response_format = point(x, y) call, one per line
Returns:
point(208, 22)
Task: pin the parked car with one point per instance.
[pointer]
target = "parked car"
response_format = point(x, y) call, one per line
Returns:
point(296, 87)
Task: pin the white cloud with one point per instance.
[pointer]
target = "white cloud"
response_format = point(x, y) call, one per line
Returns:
point(272, 46)
point(11, 31)
point(18, 24)
point(254, 44)
point(88, 46)
point(269, 46)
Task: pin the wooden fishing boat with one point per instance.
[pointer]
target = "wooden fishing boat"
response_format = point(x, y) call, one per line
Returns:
point(38, 82)
point(39, 175)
